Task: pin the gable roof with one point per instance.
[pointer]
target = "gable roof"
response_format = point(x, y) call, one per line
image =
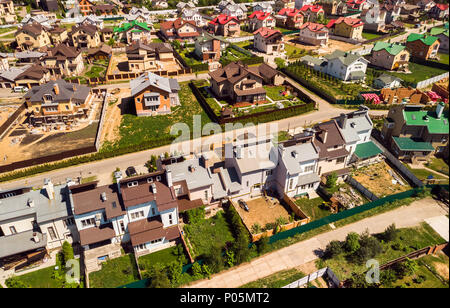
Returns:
point(393, 49)
point(438, 31)
point(289, 12)
point(223, 19)
point(312, 8)
point(63, 50)
point(318, 28)
point(346, 58)
point(235, 71)
point(131, 25)
point(86, 27)
point(67, 91)
point(267, 32)
point(354, 22)
point(333, 138)
point(149, 79)
point(427, 40)
point(33, 28)
point(259, 15)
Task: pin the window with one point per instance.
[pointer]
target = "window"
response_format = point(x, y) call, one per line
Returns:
point(137, 215)
point(206, 195)
point(158, 178)
point(52, 233)
point(340, 160)
point(291, 182)
point(269, 172)
point(88, 222)
point(153, 211)
point(122, 226)
point(68, 222)
point(309, 168)
point(13, 230)
point(170, 219)
point(150, 180)
point(132, 184)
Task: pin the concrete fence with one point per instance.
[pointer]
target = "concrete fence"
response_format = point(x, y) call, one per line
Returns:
point(427, 82)
point(240, 39)
point(325, 272)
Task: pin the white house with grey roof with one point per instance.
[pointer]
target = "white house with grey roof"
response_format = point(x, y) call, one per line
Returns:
point(154, 94)
point(34, 220)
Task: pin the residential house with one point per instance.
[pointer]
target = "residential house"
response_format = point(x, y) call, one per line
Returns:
point(132, 31)
point(442, 35)
point(85, 36)
point(181, 6)
point(374, 20)
point(64, 61)
point(296, 172)
point(312, 13)
point(423, 46)
point(283, 4)
point(347, 27)
point(313, 34)
point(224, 25)
point(27, 76)
point(29, 57)
point(160, 4)
point(263, 7)
point(236, 10)
point(104, 9)
point(92, 20)
point(179, 29)
point(7, 13)
point(222, 5)
point(106, 34)
point(49, 5)
point(414, 133)
point(154, 95)
point(289, 18)
point(4, 64)
point(100, 53)
point(43, 20)
point(331, 146)
point(58, 35)
point(268, 41)
point(58, 102)
point(193, 15)
point(439, 11)
point(391, 12)
point(148, 57)
point(387, 81)
point(32, 36)
point(425, 5)
point(85, 7)
point(260, 19)
point(208, 47)
point(301, 3)
point(139, 14)
point(334, 7)
point(33, 222)
point(359, 5)
point(242, 84)
point(390, 56)
point(410, 13)
point(404, 96)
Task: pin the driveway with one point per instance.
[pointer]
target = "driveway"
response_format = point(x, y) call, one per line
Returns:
point(308, 250)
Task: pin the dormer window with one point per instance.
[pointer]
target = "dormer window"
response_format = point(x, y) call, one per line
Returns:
point(158, 178)
point(150, 180)
point(132, 184)
point(48, 98)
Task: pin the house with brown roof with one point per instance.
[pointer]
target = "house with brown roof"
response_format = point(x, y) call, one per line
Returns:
point(224, 25)
point(143, 57)
point(58, 102)
point(404, 95)
point(289, 18)
point(85, 36)
point(85, 7)
point(63, 61)
point(7, 13)
point(104, 9)
point(208, 47)
point(347, 27)
point(334, 7)
point(106, 34)
point(32, 36)
point(268, 41)
point(410, 13)
point(34, 75)
point(313, 34)
point(58, 35)
point(283, 4)
point(241, 84)
point(100, 53)
point(180, 29)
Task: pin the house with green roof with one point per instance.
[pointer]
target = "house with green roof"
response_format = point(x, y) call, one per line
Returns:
point(414, 133)
point(442, 35)
point(133, 31)
point(423, 46)
point(390, 56)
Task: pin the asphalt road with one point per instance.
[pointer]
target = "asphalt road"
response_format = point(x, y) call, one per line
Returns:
point(103, 169)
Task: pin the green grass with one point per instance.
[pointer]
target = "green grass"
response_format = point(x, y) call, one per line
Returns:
point(313, 208)
point(422, 174)
point(188, 55)
point(293, 52)
point(439, 165)
point(208, 232)
point(443, 58)
point(115, 273)
point(282, 30)
point(410, 239)
point(40, 279)
point(274, 92)
point(89, 179)
point(370, 36)
point(430, 279)
point(277, 280)
point(95, 72)
point(165, 256)
point(5, 30)
point(418, 73)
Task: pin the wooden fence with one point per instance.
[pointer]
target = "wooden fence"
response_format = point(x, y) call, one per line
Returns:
point(415, 254)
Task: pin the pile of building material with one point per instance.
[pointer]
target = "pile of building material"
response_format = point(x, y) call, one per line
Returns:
point(348, 198)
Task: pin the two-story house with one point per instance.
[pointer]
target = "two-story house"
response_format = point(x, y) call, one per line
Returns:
point(260, 19)
point(179, 29)
point(193, 15)
point(422, 46)
point(58, 35)
point(289, 18)
point(390, 56)
point(391, 12)
point(268, 41)
point(312, 13)
point(425, 5)
point(85, 7)
point(208, 47)
point(57, 102)
point(32, 36)
point(263, 7)
point(92, 20)
point(225, 25)
point(414, 133)
point(147, 57)
point(313, 34)
point(7, 13)
point(334, 7)
point(374, 20)
point(442, 35)
point(63, 60)
point(439, 11)
point(85, 36)
point(410, 13)
point(346, 66)
point(347, 27)
point(283, 4)
point(132, 31)
point(236, 10)
point(154, 94)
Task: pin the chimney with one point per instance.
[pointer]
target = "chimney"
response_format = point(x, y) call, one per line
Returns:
point(294, 154)
point(439, 109)
point(36, 237)
point(169, 178)
point(343, 120)
point(118, 177)
point(48, 186)
point(30, 202)
point(56, 88)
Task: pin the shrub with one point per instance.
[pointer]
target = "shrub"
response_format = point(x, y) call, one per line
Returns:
point(240, 248)
point(14, 282)
point(197, 271)
point(67, 252)
point(196, 215)
point(263, 245)
point(158, 278)
point(214, 259)
point(331, 182)
point(352, 242)
point(333, 249)
point(390, 233)
point(256, 228)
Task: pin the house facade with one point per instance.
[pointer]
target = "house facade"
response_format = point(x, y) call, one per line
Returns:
point(180, 29)
point(85, 36)
point(32, 36)
point(147, 57)
point(423, 46)
point(208, 47)
point(346, 27)
point(289, 18)
point(313, 34)
point(268, 41)
point(283, 4)
point(260, 19)
point(390, 56)
point(132, 31)
point(7, 13)
point(334, 7)
point(312, 13)
point(64, 61)
point(225, 25)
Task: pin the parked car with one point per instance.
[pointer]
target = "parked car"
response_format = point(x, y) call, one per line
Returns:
point(19, 89)
point(131, 171)
point(243, 205)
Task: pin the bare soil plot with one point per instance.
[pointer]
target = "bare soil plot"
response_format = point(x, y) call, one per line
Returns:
point(377, 179)
point(6, 112)
point(113, 118)
point(118, 64)
point(332, 46)
point(262, 212)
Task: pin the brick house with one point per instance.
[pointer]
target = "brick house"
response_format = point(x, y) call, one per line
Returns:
point(334, 7)
point(208, 47)
point(224, 25)
point(390, 56)
point(85, 36)
point(64, 61)
point(180, 29)
point(422, 46)
point(145, 57)
point(32, 36)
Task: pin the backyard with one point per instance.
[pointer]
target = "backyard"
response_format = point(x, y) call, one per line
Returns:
point(439, 165)
point(418, 73)
point(313, 208)
point(370, 36)
point(205, 233)
point(163, 257)
point(424, 174)
point(277, 280)
point(115, 273)
point(40, 279)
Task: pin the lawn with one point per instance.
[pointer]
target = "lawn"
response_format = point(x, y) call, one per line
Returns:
point(418, 73)
point(208, 232)
point(115, 273)
point(439, 165)
point(313, 208)
point(282, 30)
point(274, 92)
point(95, 71)
point(277, 280)
point(231, 54)
point(165, 256)
point(408, 240)
point(188, 55)
point(155, 130)
point(293, 52)
point(5, 30)
point(430, 280)
point(422, 174)
point(443, 58)
point(370, 36)
point(245, 44)
point(40, 279)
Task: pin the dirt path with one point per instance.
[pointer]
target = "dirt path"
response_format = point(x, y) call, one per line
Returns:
point(306, 251)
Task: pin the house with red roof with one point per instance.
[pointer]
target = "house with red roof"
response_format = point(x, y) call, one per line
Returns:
point(439, 11)
point(259, 19)
point(346, 27)
point(358, 5)
point(179, 29)
point(225, 25)
point(269, 41)
point(289, 18)
point(312, 12)
point(314, 34)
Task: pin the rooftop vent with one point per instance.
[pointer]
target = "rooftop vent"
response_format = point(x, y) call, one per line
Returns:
point(103, 196)
point(294, 154)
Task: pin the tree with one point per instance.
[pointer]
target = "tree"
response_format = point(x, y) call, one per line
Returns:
point(197, 272)
point(240, 248)
point(111, 41)
point(334, 248)
point(390, 233)
point(15, 283)
point(263, 244)
point(214, 259)
point(67, 252)
point(331, 182)
point(175, 271)
point(158, 278)
point(352, 242)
